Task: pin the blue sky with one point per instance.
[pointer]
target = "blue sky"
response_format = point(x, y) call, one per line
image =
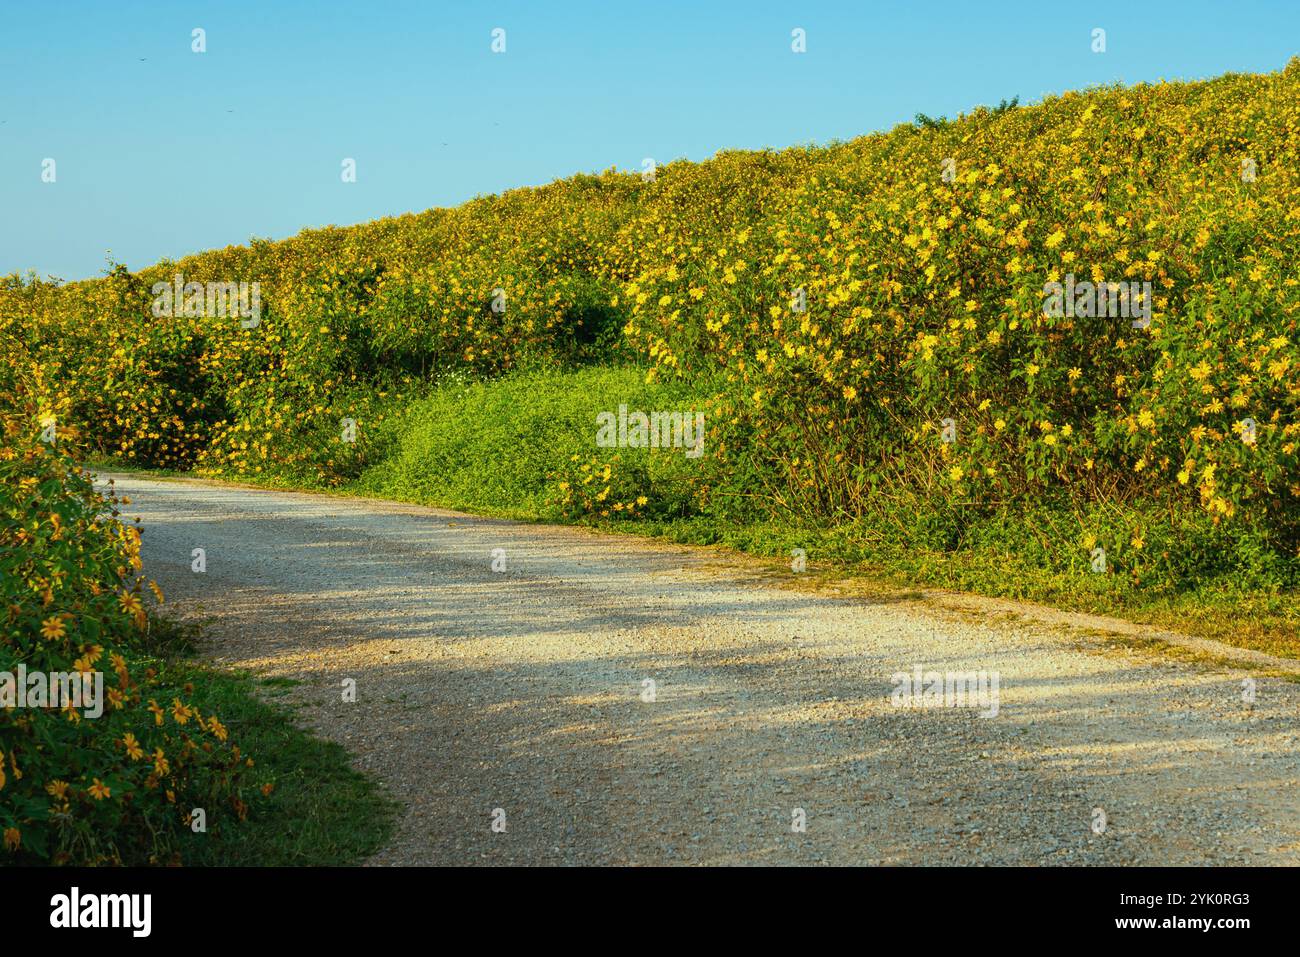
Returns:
point(162, 152)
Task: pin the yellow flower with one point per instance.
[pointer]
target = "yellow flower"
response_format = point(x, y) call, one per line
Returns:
point(99, 791)
point(52, 628)
point(217, 728)
point(133, 749)
point(955, 473)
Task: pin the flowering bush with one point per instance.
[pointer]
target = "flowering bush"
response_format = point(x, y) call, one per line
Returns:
point(887, 298)
point(76, 788)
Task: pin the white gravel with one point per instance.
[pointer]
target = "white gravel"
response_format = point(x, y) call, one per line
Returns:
point(522, 690)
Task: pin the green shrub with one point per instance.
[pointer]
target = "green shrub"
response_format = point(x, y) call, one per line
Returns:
point(512, 445)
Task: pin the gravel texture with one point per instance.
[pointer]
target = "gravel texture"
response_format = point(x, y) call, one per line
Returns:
point(523, 690)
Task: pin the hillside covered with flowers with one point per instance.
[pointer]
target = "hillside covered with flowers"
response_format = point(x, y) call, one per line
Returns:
point(868, 326)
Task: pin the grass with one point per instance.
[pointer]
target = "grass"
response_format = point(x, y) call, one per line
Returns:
point(495, 448)
point(1220, 609)
point(322, 812)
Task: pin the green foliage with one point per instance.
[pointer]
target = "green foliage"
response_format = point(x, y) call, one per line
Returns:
point(511, 445)
point(927, 122)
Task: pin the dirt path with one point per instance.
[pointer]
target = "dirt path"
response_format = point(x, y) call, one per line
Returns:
point(524, 690)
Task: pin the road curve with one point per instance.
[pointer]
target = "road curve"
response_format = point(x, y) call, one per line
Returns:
point(518, 694)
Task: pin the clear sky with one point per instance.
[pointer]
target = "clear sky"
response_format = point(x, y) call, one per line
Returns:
point(161, 151)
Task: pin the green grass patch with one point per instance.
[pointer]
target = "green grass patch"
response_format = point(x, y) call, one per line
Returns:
point(322, 812)
point(502, 447)
point(1231, 608)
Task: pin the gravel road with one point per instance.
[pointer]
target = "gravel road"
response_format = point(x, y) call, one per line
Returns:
point(770, 734)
